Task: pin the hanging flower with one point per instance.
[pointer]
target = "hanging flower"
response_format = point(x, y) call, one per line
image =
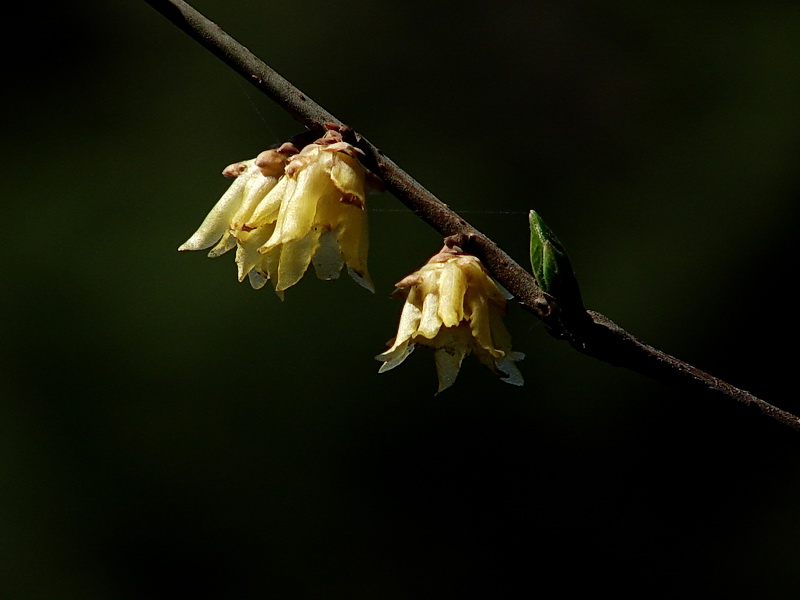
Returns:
point(454, 306)
point(288, 209)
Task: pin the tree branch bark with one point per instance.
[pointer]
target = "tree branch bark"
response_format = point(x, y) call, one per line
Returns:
point(589, 332)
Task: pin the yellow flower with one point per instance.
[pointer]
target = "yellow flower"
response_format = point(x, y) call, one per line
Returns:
point(288, 209)
point(454, 306)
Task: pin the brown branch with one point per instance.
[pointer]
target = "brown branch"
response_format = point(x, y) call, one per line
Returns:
point(589, 332)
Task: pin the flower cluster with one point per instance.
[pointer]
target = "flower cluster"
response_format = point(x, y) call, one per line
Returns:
point(289, 208)
point(455, 307)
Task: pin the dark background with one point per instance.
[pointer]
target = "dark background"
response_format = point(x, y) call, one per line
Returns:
point(166, 431)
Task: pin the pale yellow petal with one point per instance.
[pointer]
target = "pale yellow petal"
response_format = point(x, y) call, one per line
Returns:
point(480, 324)
point(256, 189)
point(217, 221)
point(452, 287)
point(269, 266)
point(267, 209)
point(298, 210)
point(295, 258)
point(228, 242)
point(328, 261)
point(430, 278)
point(448, 364)
point(409, 323)
point(257, 279)
point(401, 347)
point(349, 177)
point(247, 251)
point(430, 323)
point(353, 237)
point(501, 339)
point(509, 368)
point(482, 283)
point(395, 357)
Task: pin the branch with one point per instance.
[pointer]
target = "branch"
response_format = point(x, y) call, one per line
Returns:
point(588, 332)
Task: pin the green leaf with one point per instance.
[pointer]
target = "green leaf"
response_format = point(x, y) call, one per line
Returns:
point(551, 265)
